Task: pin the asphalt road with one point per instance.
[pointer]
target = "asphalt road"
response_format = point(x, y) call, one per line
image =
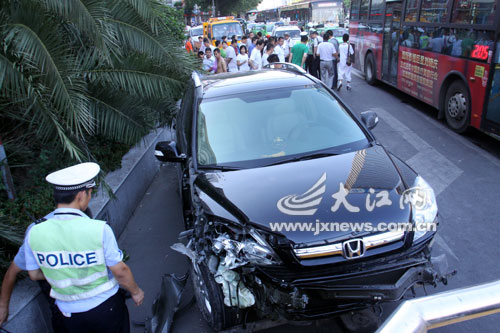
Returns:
point(464, 171)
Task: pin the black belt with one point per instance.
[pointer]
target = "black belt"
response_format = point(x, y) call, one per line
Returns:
point(326, 60)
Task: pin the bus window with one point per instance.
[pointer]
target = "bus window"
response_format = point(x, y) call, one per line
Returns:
point(376, 10)
point(464, 43)
point(473, 11)
point(355, 10)
point(227, 29)
point(363, 11)
point(411, 11)
point(434, 11)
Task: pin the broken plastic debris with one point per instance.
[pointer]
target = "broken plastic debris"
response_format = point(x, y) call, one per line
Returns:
point(235, 292)
point(181, 248)
point(166, 304)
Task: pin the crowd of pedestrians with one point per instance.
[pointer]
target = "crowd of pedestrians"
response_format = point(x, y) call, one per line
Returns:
point(323, 57)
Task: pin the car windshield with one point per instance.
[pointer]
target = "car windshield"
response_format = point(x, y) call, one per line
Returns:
point(270, 125)
point(227, 29)
point(197, 31)
point(292, 33)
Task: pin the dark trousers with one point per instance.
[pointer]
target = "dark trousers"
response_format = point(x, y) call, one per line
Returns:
point(316, 68)
point(110, 316)
point(57, 316)
point(312, 65)
point(335, 74)
point(309, 61)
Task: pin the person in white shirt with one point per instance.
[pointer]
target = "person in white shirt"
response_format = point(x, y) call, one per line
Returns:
point(335, 44)
point(249, 40)
point(230, 58)
point(326, 52)
point(345, 50)
point(255, 61)
point(269, 51)
point(278, 49)
point(287, 46)
point(206, 44)
point(208, 61)
point(242, 59)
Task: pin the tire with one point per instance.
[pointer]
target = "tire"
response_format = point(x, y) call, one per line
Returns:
point(457, 107)
point(210, 299)
point(370, 71)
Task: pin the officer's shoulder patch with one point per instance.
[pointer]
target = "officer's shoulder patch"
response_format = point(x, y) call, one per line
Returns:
point(43, 219)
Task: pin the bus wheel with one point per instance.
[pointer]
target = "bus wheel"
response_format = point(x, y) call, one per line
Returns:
point(457, 107)
point(370, 70)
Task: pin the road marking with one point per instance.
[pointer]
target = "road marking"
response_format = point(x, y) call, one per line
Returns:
point(357, 73)
point(445, 129)
point(436, 169)
point(457, 137)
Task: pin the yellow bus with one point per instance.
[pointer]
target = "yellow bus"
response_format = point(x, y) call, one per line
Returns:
point(217, 27)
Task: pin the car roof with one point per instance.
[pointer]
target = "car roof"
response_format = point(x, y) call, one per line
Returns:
point(226, 84)
point(287, 27)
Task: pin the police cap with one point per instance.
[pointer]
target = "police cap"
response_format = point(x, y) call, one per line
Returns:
point(76, 177)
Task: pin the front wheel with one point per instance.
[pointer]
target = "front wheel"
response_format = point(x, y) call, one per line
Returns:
point(457, 107)
point(370, 76)
point(210, 299)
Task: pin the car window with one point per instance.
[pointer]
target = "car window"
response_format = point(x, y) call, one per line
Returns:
point(197, 31)
point(292, 33)
point(271, 124)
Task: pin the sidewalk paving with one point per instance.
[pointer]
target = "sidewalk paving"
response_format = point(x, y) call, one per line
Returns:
point(150, 232)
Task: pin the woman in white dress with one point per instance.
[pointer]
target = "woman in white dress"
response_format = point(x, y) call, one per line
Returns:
point(242, 59)
point(344, 70)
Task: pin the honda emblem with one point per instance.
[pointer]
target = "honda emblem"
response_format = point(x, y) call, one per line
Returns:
point(353, 248)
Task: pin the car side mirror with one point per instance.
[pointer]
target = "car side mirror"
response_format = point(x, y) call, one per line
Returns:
point(370, 119)
point(166, 151)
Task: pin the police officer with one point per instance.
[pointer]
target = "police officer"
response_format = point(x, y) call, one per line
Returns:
point(80, 259)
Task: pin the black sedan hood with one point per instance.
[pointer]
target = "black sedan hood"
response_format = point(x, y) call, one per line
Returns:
point(362, 186)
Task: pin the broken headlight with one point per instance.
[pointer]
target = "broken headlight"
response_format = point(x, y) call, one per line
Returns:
point(253, 249)
point(424, 207)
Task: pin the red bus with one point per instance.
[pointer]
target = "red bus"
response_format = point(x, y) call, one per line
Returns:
point(443, 52)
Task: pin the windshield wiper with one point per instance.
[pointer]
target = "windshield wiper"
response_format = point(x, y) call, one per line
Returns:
point(219, 167)
point(302, 158)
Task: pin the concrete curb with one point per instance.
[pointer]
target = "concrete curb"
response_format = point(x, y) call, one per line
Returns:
point(29, 310)
point(129, 183)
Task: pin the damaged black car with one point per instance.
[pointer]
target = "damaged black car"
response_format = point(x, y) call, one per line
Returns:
point(292, 208)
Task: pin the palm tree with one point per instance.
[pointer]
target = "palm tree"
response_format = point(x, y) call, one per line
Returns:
point(71, 70)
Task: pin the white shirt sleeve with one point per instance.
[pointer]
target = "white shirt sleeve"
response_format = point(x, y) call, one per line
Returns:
point(30, 261)
point(112, 254)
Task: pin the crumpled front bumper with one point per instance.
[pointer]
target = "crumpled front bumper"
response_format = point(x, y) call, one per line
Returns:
point(339, 289)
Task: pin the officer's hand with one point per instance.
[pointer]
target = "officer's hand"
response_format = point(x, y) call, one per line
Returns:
point(4, 313)
point(138, 297)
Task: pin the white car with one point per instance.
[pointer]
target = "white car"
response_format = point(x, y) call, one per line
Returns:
point(196, 32)
point(293, 31)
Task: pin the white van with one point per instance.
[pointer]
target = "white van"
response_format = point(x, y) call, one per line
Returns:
point(293, 31)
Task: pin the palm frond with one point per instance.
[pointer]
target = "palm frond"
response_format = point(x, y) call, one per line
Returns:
point(137, 83)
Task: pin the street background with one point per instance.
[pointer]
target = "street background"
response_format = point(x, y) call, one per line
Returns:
point(464, 174)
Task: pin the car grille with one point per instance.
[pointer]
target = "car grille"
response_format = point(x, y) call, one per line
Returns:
point(369, 242)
